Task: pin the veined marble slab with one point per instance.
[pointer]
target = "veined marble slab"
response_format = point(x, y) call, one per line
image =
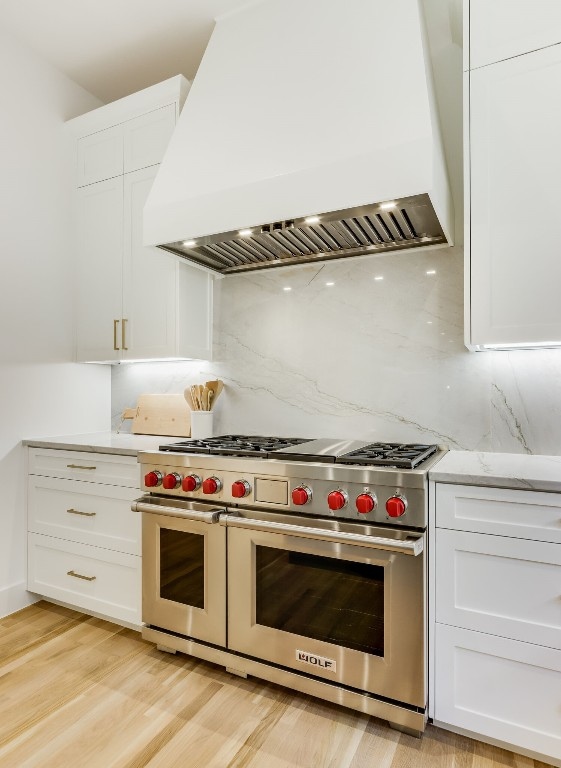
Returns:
point(504, 470)
point(103, 442)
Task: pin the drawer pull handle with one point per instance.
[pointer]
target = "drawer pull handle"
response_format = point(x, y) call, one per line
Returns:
point(78, 466)
point(79, 576)
point(84, 514)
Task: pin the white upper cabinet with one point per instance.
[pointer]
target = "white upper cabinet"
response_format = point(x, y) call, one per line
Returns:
point(100, 156)
point(513, 196)
point(501, 29)
point(133, 302)
point(99, 270)
point(516, 199)
point(146, 138)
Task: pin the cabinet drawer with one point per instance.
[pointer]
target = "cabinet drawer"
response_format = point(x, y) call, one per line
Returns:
point(99, 515)
point(499, 585)
point(101, 468)
point(501, 511)
point(100, 156)
point(502, 689)
point(146, 138)
point(87, 577)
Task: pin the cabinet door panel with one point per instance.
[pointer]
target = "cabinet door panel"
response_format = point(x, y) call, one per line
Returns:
point(503, 689)
point(149, 281)
point(146, 138)
point(100, 156)
point(515, 124)
point(506, 587)
point(99, 290)
point(499, 511)
point(500, 29)
point(86, 577)
point(89, 513)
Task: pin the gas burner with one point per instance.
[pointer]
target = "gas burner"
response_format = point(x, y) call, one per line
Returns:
point(403, 456)
point(235, 445)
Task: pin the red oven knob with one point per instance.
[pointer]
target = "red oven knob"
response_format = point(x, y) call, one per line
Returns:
point(152, 479)
point(337, 500)
point(191, 483)
point(396, 506)
point(240, 488)
point(301, 495)
point(365, 503)
point(171, 481)
point(212, 485)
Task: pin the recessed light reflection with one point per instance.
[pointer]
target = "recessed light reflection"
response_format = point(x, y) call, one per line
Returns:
point(311, 219)
point(330, 284)
point(388, 205)
point(429, 322)
point(431, 271)
point(189, 243)
point(379, 277)
point(245, 232)
point(287, 288)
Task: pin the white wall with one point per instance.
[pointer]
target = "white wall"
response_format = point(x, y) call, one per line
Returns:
point(41, 391)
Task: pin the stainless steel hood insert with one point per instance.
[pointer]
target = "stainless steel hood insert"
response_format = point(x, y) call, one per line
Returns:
point(411, 222)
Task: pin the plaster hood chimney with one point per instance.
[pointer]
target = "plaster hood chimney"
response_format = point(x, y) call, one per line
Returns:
point(310, 133)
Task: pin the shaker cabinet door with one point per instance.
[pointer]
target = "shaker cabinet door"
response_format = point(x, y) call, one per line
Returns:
point(515, 162)
point(99, 271)
point(100, 156)
point(149, 281)
point(501, 29)
point(146, 138)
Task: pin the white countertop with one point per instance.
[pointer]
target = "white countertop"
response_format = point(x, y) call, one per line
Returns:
point(504, 470)
point(103, 442)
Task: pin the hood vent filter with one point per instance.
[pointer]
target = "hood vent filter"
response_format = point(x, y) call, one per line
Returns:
point(406, 223)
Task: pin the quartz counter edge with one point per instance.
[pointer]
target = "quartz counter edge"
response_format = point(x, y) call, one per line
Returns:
point(123, 444)
point(500, 470)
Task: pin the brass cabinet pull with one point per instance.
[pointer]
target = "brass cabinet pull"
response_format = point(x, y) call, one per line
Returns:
point(84, 514)
point(115, 324)
point(78, 466)
point(123, 334)
point(79, 576)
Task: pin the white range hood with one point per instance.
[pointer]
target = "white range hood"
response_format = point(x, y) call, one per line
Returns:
point(305, 108)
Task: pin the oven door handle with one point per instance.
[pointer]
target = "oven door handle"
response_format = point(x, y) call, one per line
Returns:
point(200, 516)
point(410, 546)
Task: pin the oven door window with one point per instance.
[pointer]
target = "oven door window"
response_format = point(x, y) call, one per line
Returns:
point(182, 567)
point(329, 599)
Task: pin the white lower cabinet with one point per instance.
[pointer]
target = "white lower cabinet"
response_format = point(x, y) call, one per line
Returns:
point(496, 594)
point(503, 689)
point(84, 542)
point(508, 587)
point(88, 578)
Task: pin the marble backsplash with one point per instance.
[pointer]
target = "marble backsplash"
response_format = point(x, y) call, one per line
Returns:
point(370, 349)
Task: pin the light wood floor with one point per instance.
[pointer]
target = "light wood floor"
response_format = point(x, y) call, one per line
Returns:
point(81, 692)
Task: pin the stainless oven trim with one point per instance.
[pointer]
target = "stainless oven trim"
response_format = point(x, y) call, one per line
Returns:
point(400, 674)
point(412, 545)
point(209, 623)
point(195, 512)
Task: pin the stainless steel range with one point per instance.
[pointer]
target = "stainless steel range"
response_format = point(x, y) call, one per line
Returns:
point(298, 561)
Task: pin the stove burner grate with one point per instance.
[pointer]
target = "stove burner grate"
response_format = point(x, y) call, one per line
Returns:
point(235, 445)
point(402, 456)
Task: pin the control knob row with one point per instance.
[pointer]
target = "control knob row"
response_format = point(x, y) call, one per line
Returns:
point(190, 483)
point(365, 502)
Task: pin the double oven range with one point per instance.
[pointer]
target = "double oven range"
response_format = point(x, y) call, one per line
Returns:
point(302, 562)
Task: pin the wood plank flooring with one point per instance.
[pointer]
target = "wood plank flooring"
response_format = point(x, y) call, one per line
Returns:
point(79, 691)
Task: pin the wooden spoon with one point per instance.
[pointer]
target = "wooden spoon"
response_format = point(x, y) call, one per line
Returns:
point(195, 397)
point(189, 397)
